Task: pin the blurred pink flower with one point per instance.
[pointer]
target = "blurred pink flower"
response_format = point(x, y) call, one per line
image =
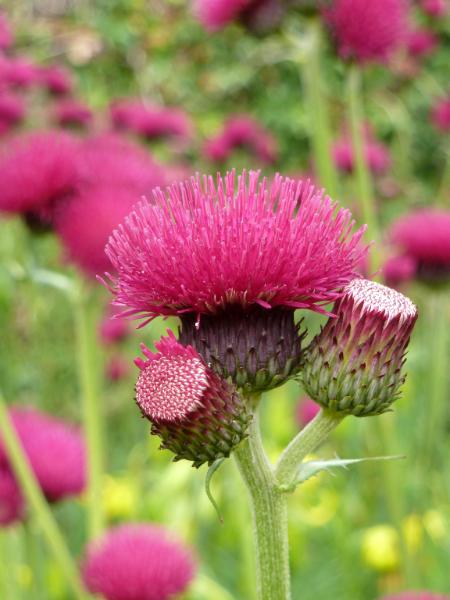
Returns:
point(399, 269)
point(306, 410)
point(117, 368)
point(422, 42)
point(368, 30)
point(70, 112)
point(215, 14)
point(12, 506)
point(304, 248)
point(376, 155)
point(137, 562)
point(55, 450)
point(440, 114)
point(416, 596)
point(112, 330)
point(18, 72)
point(56, 79)
point(12, 110)
point(6, 35)
point(435, 8)
point(38, 171)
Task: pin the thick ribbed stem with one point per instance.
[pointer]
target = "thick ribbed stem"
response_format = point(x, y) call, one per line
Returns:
point(318, 111)
point(38, 503)
point(362, 174)
point(89, 368)
point(269, 513)
point(304, 443)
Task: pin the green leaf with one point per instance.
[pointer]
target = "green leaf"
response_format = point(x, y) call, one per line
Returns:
point(212, 469)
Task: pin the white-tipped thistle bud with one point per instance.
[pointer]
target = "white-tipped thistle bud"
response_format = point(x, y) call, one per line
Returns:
point(354, 365)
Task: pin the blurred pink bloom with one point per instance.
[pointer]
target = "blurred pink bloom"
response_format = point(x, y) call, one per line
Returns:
point(150, 121)
point(12, 110)
point(117, 368)
point(435, 8)
point(422, 42)
point(306, 410)
point(6, 35)
point(112, 330)
point(424, 236)
point(238, 131)
point(70, 112)
point(440, 115)
point(55, 450)
point(18, 72)
point(215, 14)
point(368, 30)
point(376, 155)
point(398, 270)
point(416, 596)
point(56, 79)
point(138, 562)
point(12, 506)
point(38, 171)
point(304, 248)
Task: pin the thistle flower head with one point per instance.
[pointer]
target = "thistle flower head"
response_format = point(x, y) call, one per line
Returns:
point(11, 500)
point(353, 366)
point(440, 115)
point(424, 236)
point(70, 112)
point(225, 245)
point(368, 30)
point(198, 415)
point(37, 172)
point(138, 562)
point(55, 451)
point(417, 596)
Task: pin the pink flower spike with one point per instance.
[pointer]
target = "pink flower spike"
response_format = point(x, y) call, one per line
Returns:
point(138, 562)
point(233, 243)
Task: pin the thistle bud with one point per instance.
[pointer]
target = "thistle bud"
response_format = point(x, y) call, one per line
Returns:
point(198, 415)
point(354, 365)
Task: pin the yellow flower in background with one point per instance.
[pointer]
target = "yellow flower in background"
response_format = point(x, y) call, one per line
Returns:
point(435, 525)
point(119, 497)
point(412, 532)
point(380, 548)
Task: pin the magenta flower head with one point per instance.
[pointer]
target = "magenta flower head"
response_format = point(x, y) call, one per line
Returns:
point(198, 415)
point(38, 172)
point(6, 35)
point(422, 42)
point(368, 30)
point(117, 368)
point(306, 410)
point(424, 236)
point(241, 259)
point(216, 14)
point(440, 115)
point(12, 111)
point(56, 79)
point(72, 113)
point(55, 450)
point(435, 8)
point(12, 505)
point(138, 562)
point(416, 596)
point(376, 155)
point(20, 72)
point(354, 365)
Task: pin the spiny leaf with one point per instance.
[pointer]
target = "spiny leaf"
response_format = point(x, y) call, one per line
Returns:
point(212, 469)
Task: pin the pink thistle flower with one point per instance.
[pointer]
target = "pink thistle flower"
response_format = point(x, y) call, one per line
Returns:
point(416, 596)
point(12, 110)
point(55, 450)
point(215, 14)
point(354, 365)
point(19, 72)
point(422, 42)
point(138, 562)
point(88, 219)
point(70, 112)
point(440, 115)
point(56, 79)
point(112, 330)
point(210, 238)
point(424, 236)
point(376, 154)
point(306, 410)
point(6, 35)
point(38, 171)
point(242, 130)
point(398, 270)
point(435, 8)
point(12, 506)
point(117, 368)
point(368, 30)
point(198, 415)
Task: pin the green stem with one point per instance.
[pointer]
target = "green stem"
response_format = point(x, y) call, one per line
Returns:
point(89, 373)
point(304, 443)
point(269, 513)
point(38, 504)
point(318, 111)
point(362, 175)
point(442, 195)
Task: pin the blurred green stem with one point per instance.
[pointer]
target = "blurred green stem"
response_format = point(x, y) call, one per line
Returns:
point(38, 503)
point(89, 372)
point(269, 511)
point(362, 174)
point(318, 110)
point(304, 443)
